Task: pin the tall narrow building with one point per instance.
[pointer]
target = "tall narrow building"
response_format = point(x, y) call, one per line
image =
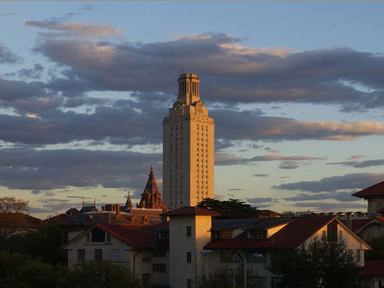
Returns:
point(188, 148)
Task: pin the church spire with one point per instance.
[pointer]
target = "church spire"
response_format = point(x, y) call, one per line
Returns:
point(151, 197)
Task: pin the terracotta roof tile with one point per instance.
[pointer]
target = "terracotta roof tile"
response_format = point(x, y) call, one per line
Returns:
point(137, 236)
point(373, 268)
point(291, 236)
point(372, 191)
point(186, 211)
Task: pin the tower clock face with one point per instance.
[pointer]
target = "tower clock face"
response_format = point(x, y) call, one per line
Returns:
point(177, 107)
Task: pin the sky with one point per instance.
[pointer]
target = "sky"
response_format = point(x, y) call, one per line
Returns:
point(296, 90)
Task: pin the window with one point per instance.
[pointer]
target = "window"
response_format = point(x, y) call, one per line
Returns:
point(109, 238)
point(158, 268)
point(88, 238)
point(98, 254)
point(332, 231)
point(258, 234)
point(164, 234)
point(98, 235)
point(159, 253)
point(189, 283)
point(189, 228)
point(145, 279)
point(80, 255)
point(115, 255)
point(358, 255)
point(340, 235)
point(189, 257)
point(324, 235)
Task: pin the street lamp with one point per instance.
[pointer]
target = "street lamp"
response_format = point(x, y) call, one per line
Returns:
point(239, 256)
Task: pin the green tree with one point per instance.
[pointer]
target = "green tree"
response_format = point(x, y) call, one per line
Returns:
point(101, 274)
point(230, 209)
point(377, 252)
point(10, 216)
point(44, 242)
point(21, 271)
point(321, 264)
point(223, 278)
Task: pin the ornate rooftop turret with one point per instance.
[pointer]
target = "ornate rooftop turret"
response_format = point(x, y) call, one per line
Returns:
point(151, 197)
point(128, 204)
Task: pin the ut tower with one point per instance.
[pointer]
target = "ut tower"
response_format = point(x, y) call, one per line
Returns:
point(188, 148)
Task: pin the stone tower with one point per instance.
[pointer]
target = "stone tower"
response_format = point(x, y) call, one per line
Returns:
point(188, 148)
point(151, 197)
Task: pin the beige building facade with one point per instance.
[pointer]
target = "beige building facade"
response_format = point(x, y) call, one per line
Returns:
point(188, 148)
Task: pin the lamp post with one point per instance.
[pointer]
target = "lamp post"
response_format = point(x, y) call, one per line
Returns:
point(236, 254)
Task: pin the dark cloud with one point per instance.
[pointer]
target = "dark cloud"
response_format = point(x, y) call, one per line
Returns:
point(261, 175)
point(261, 200)
point(33, 73)
point(249, 125)
point(51, 169)
point(335, 183)
point(231, 73)
point(339, 196)
point(7, 56)
point(330, 206)
point(361, 164)
point(226, 159)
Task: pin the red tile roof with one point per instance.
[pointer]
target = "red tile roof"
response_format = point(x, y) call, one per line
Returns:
point(372, 191)
point(373, 268)
point(291, 236)
point(187, 211)
point(137, 236)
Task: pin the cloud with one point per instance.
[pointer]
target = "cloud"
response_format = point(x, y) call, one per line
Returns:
point(33, 73)
point(232, 73)
point(355, 157)
point(361, 164)
point(261, 175)
point(75, 28)
point(51, 169)
point(330, 206)
point(6, 14)
point(223, 158)
point(335, 183)
point(248, 125)
point(338, 196)
point(7, 56)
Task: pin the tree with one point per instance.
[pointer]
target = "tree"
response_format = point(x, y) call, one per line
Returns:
point(44, 242)
point(21, 271)
point(10, 216)
point(230, 209)
point(101, 274)
point(377, 252)
point(321, 264)
point(223, 278)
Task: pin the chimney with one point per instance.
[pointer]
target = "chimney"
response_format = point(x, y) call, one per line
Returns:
point(349, 220)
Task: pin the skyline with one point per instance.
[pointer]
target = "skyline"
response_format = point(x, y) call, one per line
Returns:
point(296, 91)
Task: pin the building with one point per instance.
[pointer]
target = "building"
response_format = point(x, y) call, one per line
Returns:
point(151, 197)
point(375, 197)
point(194, 243)
point(143, 249)
point(188, 148)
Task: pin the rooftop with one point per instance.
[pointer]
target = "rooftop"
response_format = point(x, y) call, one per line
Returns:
point(188, 211)
point(376, 190)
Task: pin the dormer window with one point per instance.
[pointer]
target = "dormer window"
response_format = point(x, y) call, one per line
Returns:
point(98, 235)
point(258, 234)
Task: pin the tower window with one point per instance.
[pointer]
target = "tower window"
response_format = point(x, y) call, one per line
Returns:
point(189, 257)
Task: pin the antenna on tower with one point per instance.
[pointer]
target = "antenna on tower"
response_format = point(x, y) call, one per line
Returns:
point(83, 201)
point(182, 70)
